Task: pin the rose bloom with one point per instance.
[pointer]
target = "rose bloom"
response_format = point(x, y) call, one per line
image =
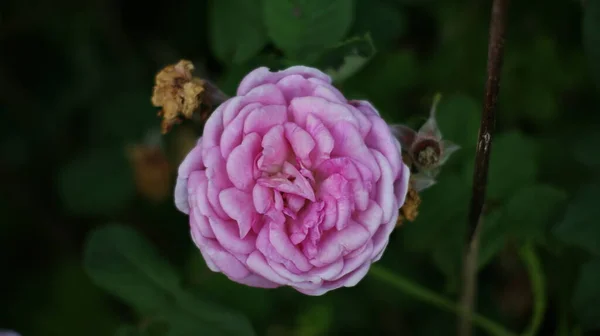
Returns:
point(292, 185)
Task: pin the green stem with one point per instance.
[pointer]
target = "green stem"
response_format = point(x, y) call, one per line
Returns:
point(428, 296)
point(538, 288)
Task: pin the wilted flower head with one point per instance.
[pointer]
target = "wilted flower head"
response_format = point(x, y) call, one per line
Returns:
point(292, 184)
point(425, 149)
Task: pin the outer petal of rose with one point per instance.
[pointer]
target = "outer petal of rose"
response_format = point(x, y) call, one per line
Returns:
point(353, 278)
point(221, 259)
point(371, 218)
point(381, 139)
point(216, 174)
point(327, 91)
point(192, 162)
point(181, 195)
point(378, 256)
point(365, 107)
point(200, 241)
point(352, 264)
point(240, 164)
point(401, 185)
point(349, 280)
point(381, 237)
point(329, 271)
point(211, 136)
point(295, 86)
point(311, 281)
point(329, 113)
point(200, 222)
point(263, 75)
point(254, 280)
point(261, 120)
point(349, 143)
point(301, 141)
point(233, 134)
point(239, 206)
point(266, 94)
point(257, 263)
point(385, 187)
point(338, 243)
point(197, 186)
point(227, 234)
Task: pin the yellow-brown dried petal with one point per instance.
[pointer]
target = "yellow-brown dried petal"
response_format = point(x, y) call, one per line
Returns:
point(151, 171)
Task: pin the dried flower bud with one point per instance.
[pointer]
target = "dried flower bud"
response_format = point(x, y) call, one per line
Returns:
point(151, 171)
point(177, 92)
point(410, 209)
point(425, 150)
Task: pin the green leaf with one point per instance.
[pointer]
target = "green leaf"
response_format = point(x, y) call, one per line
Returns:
point(125, 264)
point(585, 148)
point(236, 30)
point(99, 182)
point(587, 295)
point(122, 262)
point(128, 330)
point(579, 226)
point(513, 164)
point(384, 80)
point(301, 27)
point(127, 116)
point(532, 210)
point(255, 303)
point(73, 304)
point(192, 316)
point(493, 238)
point(458, 119)
point(347, 58)
point(315, 321)
point(591, 36)
point(440, 227)
point(383, 21)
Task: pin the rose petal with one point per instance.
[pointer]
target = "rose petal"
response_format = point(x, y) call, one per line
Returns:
point(257, 263)
point(227, 234)
point(240, 164)
point(339, 243)
point(275, 150)
point(233, 134)
point(263, 119)
point(263, 75)
point(221, 259)
point(239, 206)
point(301, 141)
point(280, 240)
point(371, 218)
point(322, 137)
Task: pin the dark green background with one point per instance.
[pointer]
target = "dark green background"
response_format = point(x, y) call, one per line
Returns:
point(75, 85)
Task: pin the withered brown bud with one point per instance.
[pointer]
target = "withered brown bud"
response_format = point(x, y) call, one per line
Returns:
point(178, 93)
point(151, 171)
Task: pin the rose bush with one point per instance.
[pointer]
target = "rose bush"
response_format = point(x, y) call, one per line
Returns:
point(292, 184)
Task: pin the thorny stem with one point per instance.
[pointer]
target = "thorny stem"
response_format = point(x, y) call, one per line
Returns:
point(488, 117)
point(428, 296)
point(469, 292)
point(482, 156)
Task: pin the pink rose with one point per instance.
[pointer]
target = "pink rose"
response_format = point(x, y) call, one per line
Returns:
point(292, 184)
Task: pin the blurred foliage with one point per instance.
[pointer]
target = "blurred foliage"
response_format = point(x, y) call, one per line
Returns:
point(75, 86)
